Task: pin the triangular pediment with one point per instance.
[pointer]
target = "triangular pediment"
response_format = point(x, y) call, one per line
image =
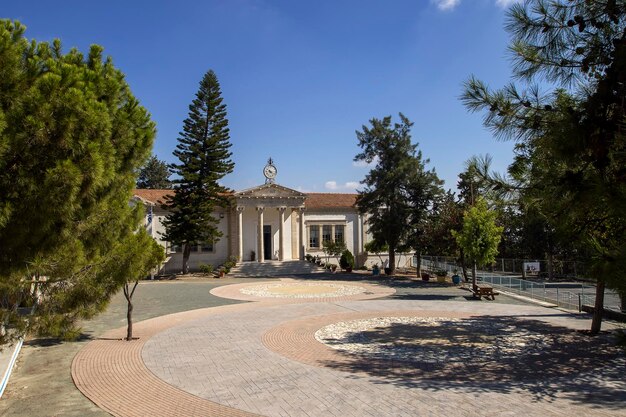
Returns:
point(270, 191)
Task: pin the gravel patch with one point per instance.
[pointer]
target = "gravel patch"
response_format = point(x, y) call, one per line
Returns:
point(303, 290)
point(430, 339)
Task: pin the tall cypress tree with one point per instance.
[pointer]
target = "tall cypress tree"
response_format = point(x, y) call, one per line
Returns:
point(203, 151)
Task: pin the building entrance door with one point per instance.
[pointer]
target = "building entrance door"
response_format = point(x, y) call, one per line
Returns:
point(267, 242)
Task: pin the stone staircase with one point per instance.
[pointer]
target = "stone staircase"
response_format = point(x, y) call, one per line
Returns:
point(274, 269)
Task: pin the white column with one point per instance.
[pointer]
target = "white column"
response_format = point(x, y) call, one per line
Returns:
point(260, 255)
point(302, 243)
point(360, 241)
point(240, 231)
point(281, 250)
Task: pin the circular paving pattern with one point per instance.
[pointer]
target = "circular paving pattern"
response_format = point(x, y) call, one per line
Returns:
point(289, 290)
point(254, 358)
point(303, 290)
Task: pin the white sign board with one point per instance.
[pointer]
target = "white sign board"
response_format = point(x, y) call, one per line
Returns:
point(531, 268)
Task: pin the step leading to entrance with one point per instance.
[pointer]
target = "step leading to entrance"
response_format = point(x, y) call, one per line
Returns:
point(274, 269)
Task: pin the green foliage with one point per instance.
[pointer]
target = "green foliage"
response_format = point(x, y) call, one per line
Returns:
point(347, 260)
point(72, 138)
point(399, 190)
point(375, 246)
point(571, 149)
point(332, 248)
point(206, 268)
point(203, 151)
point(446, 215)
point(480, 235)
point(154, 175)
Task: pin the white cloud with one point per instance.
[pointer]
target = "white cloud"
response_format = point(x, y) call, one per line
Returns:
point(447, 4)
point(348, 186)
point(331, 185)
point(505, 3)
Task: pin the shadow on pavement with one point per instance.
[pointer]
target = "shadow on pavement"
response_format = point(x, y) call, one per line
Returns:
point(490, 354)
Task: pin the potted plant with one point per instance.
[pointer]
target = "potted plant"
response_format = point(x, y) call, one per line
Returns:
point(222, 272)
point(441, 275)
point(375, 270)
point(425, 276)
point(252, 255)
point(333, 267)
point(456, 278)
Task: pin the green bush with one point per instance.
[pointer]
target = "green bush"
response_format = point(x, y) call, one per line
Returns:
point(347, 260)
point(206, 268)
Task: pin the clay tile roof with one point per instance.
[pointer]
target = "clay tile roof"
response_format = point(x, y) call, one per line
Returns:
point(156, 196)
point(313, 200)
point(329, 200)
point(152, 196)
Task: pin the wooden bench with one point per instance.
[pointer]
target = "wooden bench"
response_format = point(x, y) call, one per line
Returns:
point(484, 291)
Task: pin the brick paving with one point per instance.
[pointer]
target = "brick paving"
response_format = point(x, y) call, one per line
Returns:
point(261, 358)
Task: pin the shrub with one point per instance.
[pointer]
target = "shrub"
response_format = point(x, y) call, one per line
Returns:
point(206, 268)
point(347, 260)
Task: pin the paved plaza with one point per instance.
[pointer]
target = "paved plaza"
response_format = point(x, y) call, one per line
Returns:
point(326, 346)
point(268, 357)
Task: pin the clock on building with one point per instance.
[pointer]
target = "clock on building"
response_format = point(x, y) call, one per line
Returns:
point(270, 171)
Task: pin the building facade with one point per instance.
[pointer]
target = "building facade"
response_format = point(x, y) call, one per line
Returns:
point(268, 222)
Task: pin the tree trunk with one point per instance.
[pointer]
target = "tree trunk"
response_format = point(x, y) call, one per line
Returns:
point(128, 293)
point(186, 253)
point(129, 320)
point(598, 308)
point(392, 261)
point(474, 272)
point(550, 265)
point(463, 265)
point(418, 266)
point(623, 302)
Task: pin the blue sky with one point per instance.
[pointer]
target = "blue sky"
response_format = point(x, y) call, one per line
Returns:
point(300, 77)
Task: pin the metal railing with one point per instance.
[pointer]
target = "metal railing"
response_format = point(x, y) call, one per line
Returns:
point(571, 296)
point(560, 268)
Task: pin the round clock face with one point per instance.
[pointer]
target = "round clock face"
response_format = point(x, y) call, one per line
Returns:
point(269, 171)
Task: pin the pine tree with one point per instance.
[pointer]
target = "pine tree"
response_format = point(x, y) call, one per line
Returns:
point(72, 138)
point(571, 149)
point(398, 190)
point(203, 151)
point(154, 175)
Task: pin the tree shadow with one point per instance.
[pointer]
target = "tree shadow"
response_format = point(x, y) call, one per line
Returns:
point(427, 297)
point(55, 341)
point(489, 354)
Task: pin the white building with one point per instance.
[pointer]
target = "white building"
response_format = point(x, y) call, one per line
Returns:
point(267, 222)
point(271, 222)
